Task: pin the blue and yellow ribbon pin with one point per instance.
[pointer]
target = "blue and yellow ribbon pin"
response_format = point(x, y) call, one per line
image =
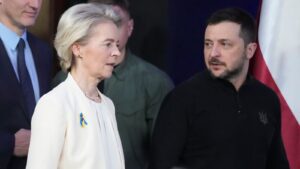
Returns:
point(83, 123)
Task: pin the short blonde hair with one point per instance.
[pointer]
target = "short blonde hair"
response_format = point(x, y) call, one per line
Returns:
point(75, 26)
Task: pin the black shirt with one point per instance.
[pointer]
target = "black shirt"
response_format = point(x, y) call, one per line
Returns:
point(206, 124)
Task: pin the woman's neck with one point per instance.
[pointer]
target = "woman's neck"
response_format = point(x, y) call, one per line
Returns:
point(87, 84)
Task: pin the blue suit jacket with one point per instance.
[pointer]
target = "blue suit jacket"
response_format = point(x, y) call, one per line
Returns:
point(13, 115)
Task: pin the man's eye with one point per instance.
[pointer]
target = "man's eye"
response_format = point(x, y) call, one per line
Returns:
point(207, 44)
point(226, 44)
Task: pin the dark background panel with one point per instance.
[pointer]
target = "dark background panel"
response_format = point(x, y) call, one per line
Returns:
point(167, 33)
point(149, 38)
point(186, 28)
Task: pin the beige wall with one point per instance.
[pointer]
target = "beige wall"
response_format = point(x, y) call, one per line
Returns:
point(43, 27)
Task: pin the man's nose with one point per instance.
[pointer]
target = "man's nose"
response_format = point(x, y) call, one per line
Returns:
point(215, 51)
point(35, 3)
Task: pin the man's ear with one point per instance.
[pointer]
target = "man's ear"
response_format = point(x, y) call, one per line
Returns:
point(250, 50)
point(130, 27)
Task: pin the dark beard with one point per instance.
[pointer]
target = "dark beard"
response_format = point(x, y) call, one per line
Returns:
point(228, 74)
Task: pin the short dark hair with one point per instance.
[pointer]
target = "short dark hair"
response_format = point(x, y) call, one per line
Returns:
point(124, 4)
point(248, 25)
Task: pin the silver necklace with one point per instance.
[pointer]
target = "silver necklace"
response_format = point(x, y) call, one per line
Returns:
point(95, 98)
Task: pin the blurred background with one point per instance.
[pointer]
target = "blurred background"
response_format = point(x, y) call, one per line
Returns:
point(167, 33)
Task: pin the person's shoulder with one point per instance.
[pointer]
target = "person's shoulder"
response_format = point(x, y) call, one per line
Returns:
point(144, 65)
point(60, 98)
point(56, 94)
point(49, 103)
point(52, 105)
point(195, 80)
point(34, 40)
point(148, 70)
point(262, 89)
point(191, 86)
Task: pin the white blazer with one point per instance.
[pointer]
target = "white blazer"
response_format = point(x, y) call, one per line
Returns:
point(69, 131)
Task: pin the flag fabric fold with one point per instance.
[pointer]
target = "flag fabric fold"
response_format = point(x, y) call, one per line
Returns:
point(277, 64)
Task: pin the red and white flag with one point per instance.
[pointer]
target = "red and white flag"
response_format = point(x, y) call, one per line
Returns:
point(277, 64)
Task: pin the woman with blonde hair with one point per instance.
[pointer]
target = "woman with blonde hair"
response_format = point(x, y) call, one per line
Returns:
point(74, 125)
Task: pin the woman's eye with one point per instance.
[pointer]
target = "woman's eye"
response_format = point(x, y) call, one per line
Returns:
point(108, 45)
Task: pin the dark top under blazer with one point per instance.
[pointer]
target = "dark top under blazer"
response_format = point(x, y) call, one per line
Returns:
point(12, 105)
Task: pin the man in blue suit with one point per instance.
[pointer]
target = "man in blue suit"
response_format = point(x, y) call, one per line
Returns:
point(18, 96)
